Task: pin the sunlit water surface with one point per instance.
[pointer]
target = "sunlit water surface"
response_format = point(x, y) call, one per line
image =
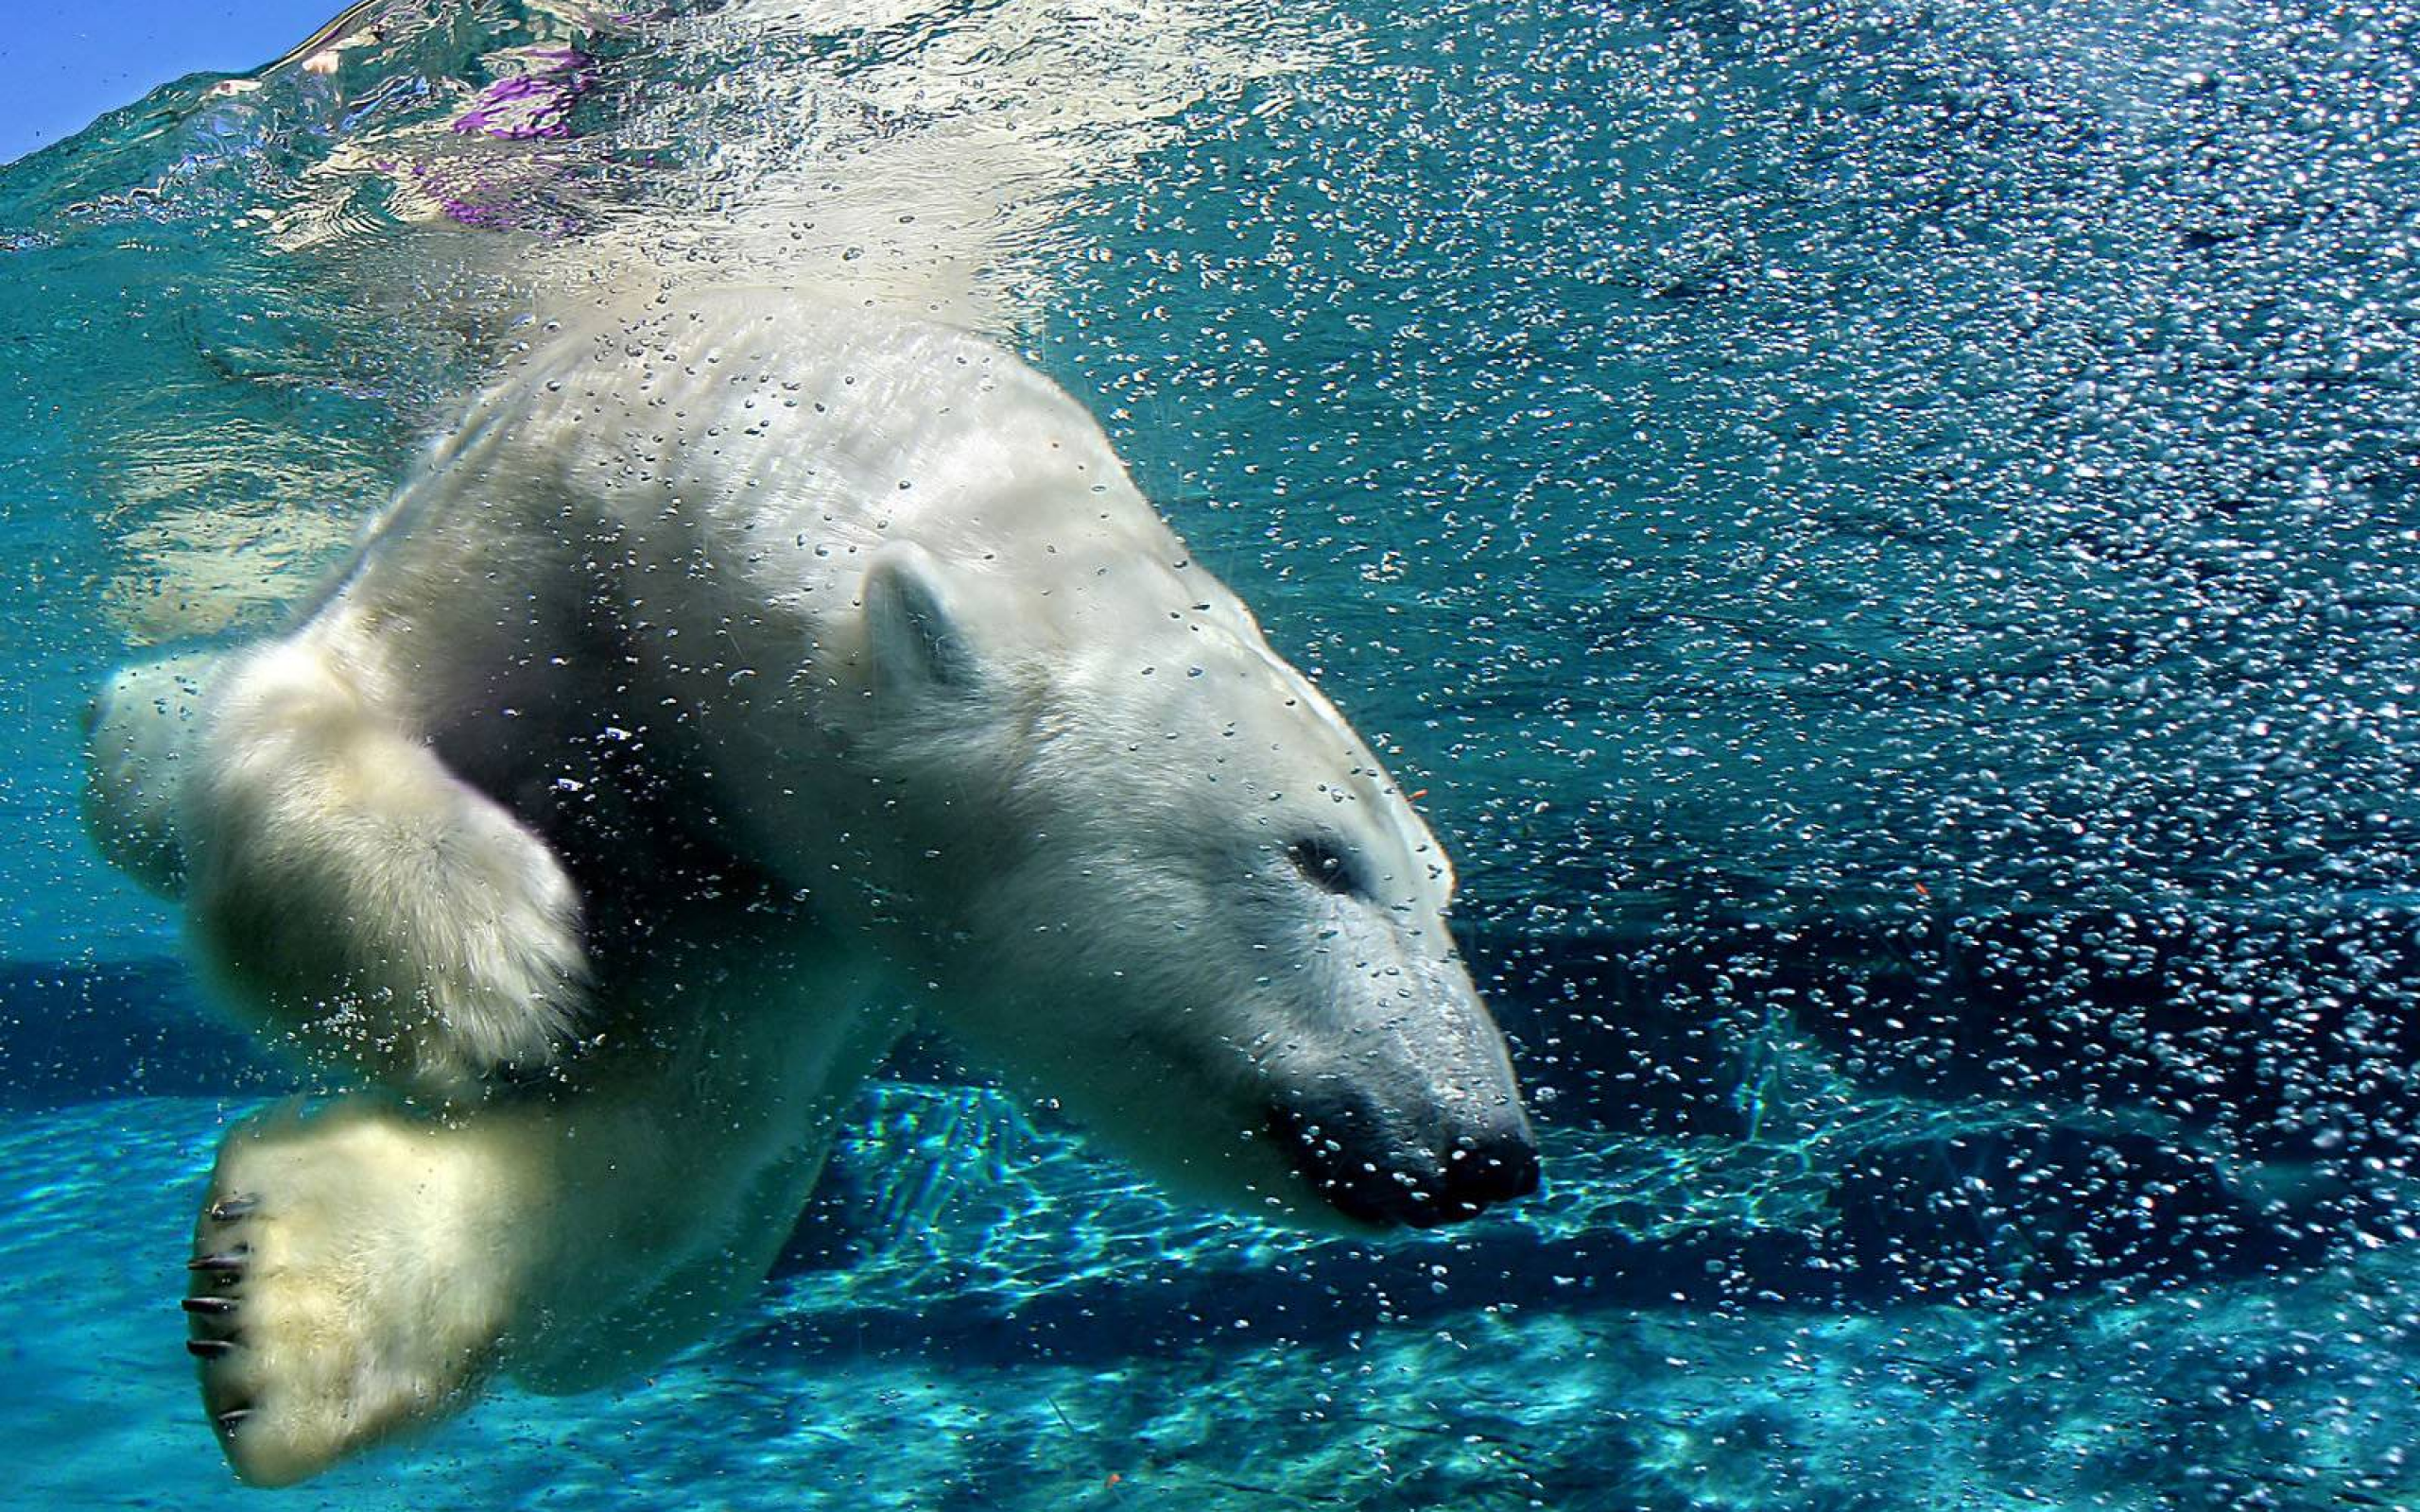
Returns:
point(1886, 533)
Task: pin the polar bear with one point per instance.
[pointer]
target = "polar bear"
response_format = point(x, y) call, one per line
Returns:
point(742, 677)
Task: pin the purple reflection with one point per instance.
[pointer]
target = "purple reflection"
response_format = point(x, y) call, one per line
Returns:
point(532, 105)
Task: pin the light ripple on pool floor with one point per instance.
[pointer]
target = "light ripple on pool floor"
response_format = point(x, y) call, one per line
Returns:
point(1084, 1353)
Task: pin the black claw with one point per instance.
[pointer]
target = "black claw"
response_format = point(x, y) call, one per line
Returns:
point(211, 1305)
point(227, 1260)
point(229, 1420)
point(226, 1209)
point(207, 1348)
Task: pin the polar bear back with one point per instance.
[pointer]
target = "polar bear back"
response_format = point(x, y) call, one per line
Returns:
point(758, 448)
point(784, 440)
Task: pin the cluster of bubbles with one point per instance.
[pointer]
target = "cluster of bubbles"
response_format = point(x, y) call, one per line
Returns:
point(1835, 455)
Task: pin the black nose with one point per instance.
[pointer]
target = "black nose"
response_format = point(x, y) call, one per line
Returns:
point(1368, 1166)
point(1496, 1166)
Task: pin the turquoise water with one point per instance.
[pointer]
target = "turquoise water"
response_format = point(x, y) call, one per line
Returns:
point(1885, 532)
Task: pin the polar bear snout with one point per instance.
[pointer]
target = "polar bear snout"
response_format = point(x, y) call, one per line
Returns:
point(1396, 1099)
point(1387, 1167)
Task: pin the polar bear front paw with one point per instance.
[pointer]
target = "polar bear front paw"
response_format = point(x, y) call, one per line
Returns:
point(387, 917)
point(329, 1307)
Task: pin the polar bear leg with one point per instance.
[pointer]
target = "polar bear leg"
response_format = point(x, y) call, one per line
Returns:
point(348, 889)
point(359, 1272)
point(141, 731)
point(763, 1136)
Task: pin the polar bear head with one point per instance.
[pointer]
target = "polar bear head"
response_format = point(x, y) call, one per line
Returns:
point(1174, 891)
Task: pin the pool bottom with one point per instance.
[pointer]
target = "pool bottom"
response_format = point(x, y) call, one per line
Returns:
point(1008, 1324)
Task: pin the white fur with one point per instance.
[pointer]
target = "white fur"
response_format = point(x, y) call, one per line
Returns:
point(909, 697)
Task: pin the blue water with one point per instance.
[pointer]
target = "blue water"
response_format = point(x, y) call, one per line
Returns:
point(1887, 532)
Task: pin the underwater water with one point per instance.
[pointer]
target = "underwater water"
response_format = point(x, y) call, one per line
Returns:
point(1886, 535)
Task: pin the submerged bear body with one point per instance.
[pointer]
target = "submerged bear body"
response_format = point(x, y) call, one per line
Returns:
point(741, 677)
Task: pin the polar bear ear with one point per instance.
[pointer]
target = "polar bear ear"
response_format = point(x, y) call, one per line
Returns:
point(914, 633)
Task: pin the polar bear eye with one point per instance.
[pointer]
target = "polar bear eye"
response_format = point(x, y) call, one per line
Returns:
point(1325, 867)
